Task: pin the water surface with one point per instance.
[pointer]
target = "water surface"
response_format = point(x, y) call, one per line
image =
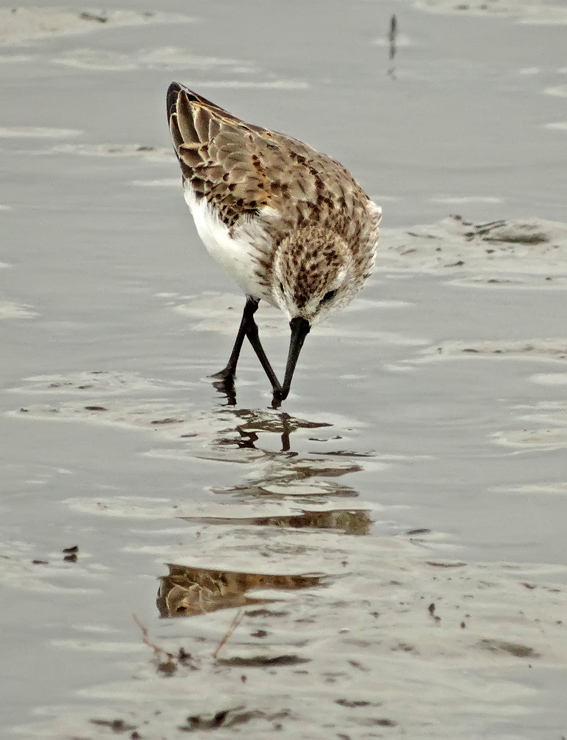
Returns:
point(388, 548)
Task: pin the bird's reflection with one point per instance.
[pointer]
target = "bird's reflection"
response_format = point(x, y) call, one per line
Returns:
point(240, 436)
point(236, 435)
point(187, 591)
point(356, 522)
point(303, 478)
point(252, 422)
point(226, 390)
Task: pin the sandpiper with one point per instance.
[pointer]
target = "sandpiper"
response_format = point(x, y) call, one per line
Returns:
point(288, 224)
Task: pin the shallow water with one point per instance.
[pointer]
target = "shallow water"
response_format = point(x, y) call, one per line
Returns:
point(391, 542)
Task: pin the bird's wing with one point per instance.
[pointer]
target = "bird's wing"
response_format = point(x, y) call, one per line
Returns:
point(244, 170)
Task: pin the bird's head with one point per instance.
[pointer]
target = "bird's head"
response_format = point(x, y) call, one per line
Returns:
point(313, 274)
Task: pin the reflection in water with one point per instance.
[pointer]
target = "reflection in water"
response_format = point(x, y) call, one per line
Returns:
point(284, 475)
point(298, 477)
point(226, 390)
point(190, 591)
point(251, 421)
point(187, 592)
point(276, 475)
point(355, 522)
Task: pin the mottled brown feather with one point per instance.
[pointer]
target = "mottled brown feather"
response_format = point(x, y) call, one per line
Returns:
point(262, 168)
point(304, 219)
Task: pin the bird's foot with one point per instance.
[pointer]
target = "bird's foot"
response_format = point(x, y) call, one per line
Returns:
point(227, 375)
point(280, 394)
point(224, 383)
point(227, 391)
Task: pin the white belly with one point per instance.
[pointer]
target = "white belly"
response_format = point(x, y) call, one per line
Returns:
point(236, 256)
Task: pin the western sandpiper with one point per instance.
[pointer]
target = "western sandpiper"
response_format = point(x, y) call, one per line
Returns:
point(288, 224)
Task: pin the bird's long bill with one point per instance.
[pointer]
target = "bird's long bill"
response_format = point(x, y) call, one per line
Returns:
point(300, 328)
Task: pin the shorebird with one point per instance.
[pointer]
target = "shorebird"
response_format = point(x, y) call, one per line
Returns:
point(288, 224)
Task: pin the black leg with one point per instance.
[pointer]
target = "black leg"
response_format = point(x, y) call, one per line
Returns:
point(253, 336)
point(248, 328)
point(230, 370)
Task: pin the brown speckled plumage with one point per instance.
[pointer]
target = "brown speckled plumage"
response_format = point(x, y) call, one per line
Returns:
point(289, 224)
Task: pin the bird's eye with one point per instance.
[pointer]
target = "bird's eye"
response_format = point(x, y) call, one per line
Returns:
point(329, 296)
point(281, 287)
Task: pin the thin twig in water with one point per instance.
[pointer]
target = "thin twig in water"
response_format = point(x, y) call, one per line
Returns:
point(148, 642)
point(392, 38)
point(165, 660)
point(234, 624)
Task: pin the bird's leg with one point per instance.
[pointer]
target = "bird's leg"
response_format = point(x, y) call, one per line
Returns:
point(248, 328)
point(253, 336)
point(227, 375)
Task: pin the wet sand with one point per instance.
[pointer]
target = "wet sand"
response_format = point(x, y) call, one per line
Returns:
point(385, 555)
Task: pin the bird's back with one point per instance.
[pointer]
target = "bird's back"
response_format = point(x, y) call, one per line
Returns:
point(259, 181)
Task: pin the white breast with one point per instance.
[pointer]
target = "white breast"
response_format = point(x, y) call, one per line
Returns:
point(235, 254)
